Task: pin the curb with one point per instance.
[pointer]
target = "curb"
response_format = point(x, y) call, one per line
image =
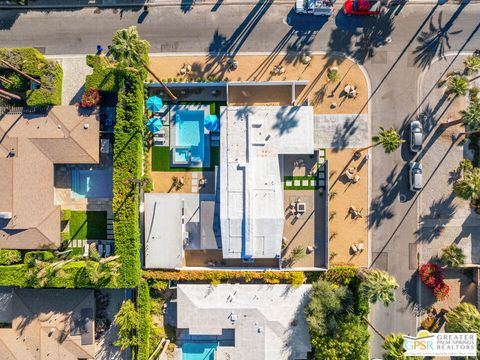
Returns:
point(213, 3)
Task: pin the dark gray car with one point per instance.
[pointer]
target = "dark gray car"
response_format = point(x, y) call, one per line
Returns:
point(416, 136)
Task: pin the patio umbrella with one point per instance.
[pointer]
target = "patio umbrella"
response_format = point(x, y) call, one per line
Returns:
point(154, 125)
point(154, 104)
point(211, 123)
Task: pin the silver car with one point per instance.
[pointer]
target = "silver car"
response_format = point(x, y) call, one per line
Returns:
point(416, 136)
point(415, 175)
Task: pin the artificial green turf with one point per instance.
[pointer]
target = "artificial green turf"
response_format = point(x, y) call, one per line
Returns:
point(301, 187)
point(88, 225)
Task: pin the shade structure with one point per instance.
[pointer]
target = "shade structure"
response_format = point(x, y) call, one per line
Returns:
point(211, 123)
point(154, 104)
point(154, 124)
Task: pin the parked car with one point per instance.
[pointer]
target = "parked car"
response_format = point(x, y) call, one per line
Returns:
point(361, 7)
point(314, 7)
point(415, 175)
point(416, 136)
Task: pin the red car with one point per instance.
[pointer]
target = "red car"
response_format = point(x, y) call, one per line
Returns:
point(361, 7)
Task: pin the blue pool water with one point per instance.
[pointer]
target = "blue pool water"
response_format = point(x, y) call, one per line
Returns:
point(190, 133)
point(92, 183)
point(199, 351)
point(181, 155)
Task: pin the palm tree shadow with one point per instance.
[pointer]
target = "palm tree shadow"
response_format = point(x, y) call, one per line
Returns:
point(435, 40)
point(381, 206)
point(186, 5)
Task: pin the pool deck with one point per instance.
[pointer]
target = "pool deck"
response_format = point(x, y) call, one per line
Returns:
point(64, 196)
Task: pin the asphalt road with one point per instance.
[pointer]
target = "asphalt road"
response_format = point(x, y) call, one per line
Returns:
point(419, 34)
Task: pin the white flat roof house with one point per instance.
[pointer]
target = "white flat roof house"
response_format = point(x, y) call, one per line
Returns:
point(252, 139)
point(261, 322)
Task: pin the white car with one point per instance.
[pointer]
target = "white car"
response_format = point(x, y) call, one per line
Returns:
point(415, 175)
point(314, 7)
point(416, 136)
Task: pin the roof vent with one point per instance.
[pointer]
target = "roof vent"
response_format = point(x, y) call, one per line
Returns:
point(86, 126)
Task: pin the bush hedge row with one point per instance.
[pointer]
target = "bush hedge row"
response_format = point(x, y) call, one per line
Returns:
point(104, 77)
point(144, 321)
point(32, 62)
point(218, 276)
point(127, 165)
point(9, 257)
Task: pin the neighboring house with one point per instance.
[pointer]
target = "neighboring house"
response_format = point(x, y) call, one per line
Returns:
point(47, 324)
point(243, 322)
point(30, 146)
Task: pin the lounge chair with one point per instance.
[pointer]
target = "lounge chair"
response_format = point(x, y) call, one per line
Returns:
point(100, 249)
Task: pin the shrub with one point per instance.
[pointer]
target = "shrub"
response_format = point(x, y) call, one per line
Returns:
point(271, 277)
point(49, 73)
point(333, 75)
point(341, 275)
point(457, 85)
point(144, 321)
point(13, 275)
point(441, 291)
point(127, 165)
point(31, 256)
point(453, 256)
point(9, 257)
point(66, 214)
point(127, 321)
point(431, 275)
point(18, 82)
point(90, 98)
point(104, 77)
point(472, 64)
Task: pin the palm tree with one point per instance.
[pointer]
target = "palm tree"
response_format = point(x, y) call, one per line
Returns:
point(457, 85)
point(452, 256)
point(130, 51)
point(378, 285)
point(471, 117)
point(465, 165)
point(390, 139)
point(127, 321)
point(393, 344)
point(468, 188)
point(463, 318)
point(472, 64)
point(18, 71)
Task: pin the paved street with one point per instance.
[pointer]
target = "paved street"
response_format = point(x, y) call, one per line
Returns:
point(419, 32)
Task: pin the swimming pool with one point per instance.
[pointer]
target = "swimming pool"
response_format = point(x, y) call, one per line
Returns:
point(190, 133)
point(199, 351)
point(92, 183)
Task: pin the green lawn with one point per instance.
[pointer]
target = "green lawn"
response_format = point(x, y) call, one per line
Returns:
point(301, 187)
point(161, 160)
point(88, 225)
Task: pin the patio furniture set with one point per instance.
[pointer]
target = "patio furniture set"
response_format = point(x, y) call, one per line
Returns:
point(297, 208)
point(352, 175)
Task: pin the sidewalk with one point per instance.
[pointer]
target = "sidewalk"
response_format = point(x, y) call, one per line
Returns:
point(60, 4)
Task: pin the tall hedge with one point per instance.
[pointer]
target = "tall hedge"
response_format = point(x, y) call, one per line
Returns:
point(144, 321)
point(127, 165)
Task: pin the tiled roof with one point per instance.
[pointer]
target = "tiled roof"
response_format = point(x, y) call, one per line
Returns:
point(63, 136)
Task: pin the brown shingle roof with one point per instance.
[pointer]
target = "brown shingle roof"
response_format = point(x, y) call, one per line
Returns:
point(62, 137)
point(42, 323)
